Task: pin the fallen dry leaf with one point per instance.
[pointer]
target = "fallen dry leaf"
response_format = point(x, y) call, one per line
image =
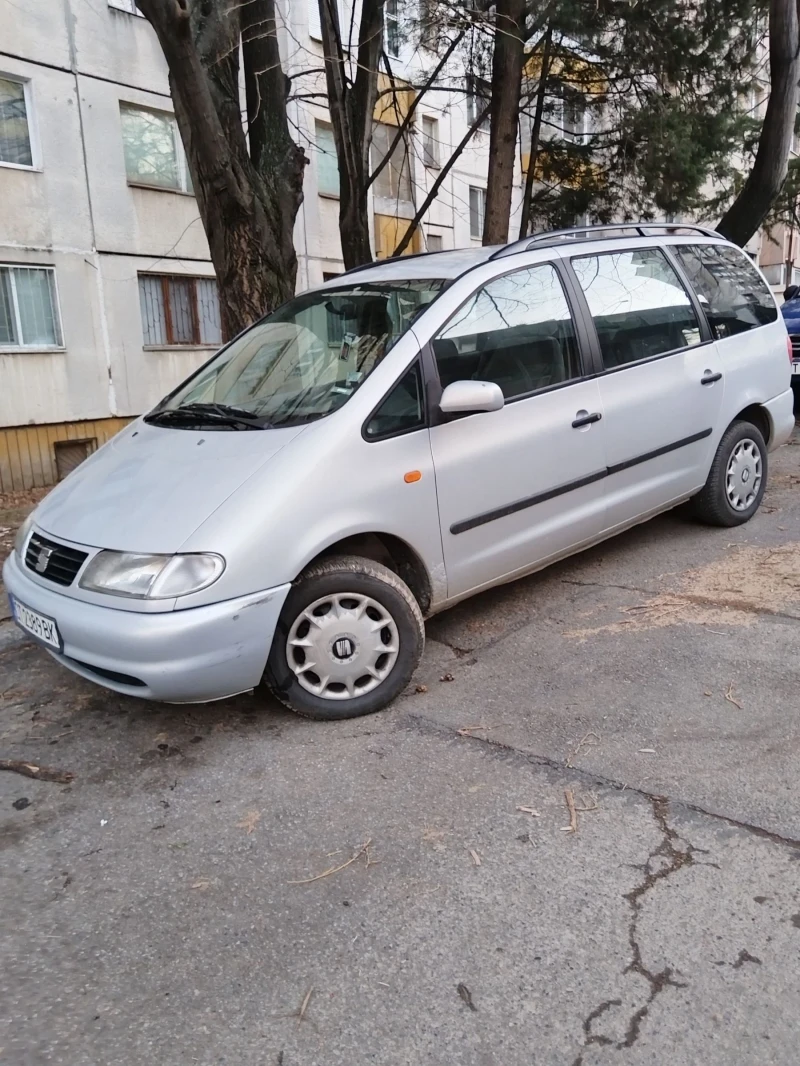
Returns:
point(202, 884)
point(249, 822)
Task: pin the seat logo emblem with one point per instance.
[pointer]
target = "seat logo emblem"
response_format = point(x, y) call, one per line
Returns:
point(43, 560)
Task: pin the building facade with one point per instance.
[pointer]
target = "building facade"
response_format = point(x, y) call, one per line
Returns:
point(107, 291)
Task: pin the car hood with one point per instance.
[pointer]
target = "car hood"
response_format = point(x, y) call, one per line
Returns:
point(150, 488)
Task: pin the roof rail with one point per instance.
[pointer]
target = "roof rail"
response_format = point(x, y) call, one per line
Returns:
point(606, 232)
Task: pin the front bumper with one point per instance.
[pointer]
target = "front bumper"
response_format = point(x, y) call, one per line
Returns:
point(190, 656)
point(781, 418)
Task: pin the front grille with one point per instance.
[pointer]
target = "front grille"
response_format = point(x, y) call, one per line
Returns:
point(795, 339)
point(56, 562)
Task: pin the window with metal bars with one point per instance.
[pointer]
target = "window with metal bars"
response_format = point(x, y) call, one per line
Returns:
point(177, 310)
point(29, 315)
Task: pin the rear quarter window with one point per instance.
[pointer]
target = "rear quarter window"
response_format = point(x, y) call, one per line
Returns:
point(734, 295)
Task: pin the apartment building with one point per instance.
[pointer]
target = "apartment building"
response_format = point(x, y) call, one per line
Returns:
point(107, 291)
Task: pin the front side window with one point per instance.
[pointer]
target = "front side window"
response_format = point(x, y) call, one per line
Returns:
point(729, 287)
point(306, 360)
point(402, 411)
point(15, 135)
point(516, 331)
point(179, 310)
point(28, 308)
point(639, 305)
point(154, 153)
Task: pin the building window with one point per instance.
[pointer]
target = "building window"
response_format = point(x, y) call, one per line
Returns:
point(327, 164)
point(430, 142)
point(477, 211)
point(29, 315)
point(179, 310)
point(479, 95)
point(394, 181)
point(391, 18)
point(434, 242)
point(15, 133)
point(154, 153)
point(126, 5)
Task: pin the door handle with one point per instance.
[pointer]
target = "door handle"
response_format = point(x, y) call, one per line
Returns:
point(708, 378)
point(583, 418)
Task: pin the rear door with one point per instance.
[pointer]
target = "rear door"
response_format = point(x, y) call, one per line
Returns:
point(660, 379)
point(519, 485)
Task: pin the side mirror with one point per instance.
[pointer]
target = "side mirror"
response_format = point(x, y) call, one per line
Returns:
point(465, 397)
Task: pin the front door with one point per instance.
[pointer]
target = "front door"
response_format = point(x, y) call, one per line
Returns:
point(521, 485)
point(661, 383)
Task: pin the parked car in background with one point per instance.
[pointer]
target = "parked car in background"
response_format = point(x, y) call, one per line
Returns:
point(413, 432)
point(791, 316)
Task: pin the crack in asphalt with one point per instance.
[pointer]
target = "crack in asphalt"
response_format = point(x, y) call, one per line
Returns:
point(593, 779)
point(666, 859)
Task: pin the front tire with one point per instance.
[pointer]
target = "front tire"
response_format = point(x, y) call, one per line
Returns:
point(348, 640)
point(737, 480)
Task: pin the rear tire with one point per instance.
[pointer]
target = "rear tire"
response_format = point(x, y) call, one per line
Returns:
point(737, 480)
point(348, 640)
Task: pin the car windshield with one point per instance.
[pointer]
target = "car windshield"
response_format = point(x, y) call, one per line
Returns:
point(302, 362)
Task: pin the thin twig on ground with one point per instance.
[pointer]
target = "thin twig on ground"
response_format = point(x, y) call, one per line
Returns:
point(39, 773)
point(304, 1005)
point(363, 850)
point(731, 698)
point(573, 815)
point(576, 751)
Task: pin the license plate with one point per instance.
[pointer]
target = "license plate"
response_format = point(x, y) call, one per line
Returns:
point(38, 625)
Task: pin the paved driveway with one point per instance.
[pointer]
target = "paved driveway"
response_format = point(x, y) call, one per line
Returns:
point(233, 885)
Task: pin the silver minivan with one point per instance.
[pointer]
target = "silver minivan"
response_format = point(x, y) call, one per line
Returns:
point(411, 433)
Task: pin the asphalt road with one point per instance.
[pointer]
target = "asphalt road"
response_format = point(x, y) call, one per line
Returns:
point(233, 885)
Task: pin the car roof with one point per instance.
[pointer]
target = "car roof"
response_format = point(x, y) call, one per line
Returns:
point(452, 264)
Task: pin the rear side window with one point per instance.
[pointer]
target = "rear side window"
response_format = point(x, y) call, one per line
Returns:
point(639, 305)
point(402, 411)
point(734, 295)
point(516, 331)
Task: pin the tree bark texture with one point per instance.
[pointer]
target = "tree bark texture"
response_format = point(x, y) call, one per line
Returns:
point(248, 195)
point(507, 63)
point(352, 107)
point(765, 180)
point(536, 133)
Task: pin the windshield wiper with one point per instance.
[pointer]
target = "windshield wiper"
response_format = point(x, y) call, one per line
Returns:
point(208, 413)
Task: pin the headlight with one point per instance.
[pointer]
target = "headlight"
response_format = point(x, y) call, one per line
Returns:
point(151, 577)
point(22, 536)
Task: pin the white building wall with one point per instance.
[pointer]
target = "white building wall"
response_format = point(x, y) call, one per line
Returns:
point(75, 210)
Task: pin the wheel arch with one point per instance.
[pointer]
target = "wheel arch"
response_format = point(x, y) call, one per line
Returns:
point(759, 416)
point(390, 550)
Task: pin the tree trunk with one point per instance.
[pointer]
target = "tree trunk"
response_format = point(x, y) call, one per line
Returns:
point(536, 132)
point(507, 62)
point(248, 199)
point(352, 107)
point(764, 183)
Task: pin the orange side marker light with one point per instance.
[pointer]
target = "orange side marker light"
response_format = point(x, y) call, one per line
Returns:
point(412, 476)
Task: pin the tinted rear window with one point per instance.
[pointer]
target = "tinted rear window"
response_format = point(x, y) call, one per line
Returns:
point(733, 293)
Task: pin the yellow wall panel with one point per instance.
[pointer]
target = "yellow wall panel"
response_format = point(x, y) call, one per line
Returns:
point(27, 453)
